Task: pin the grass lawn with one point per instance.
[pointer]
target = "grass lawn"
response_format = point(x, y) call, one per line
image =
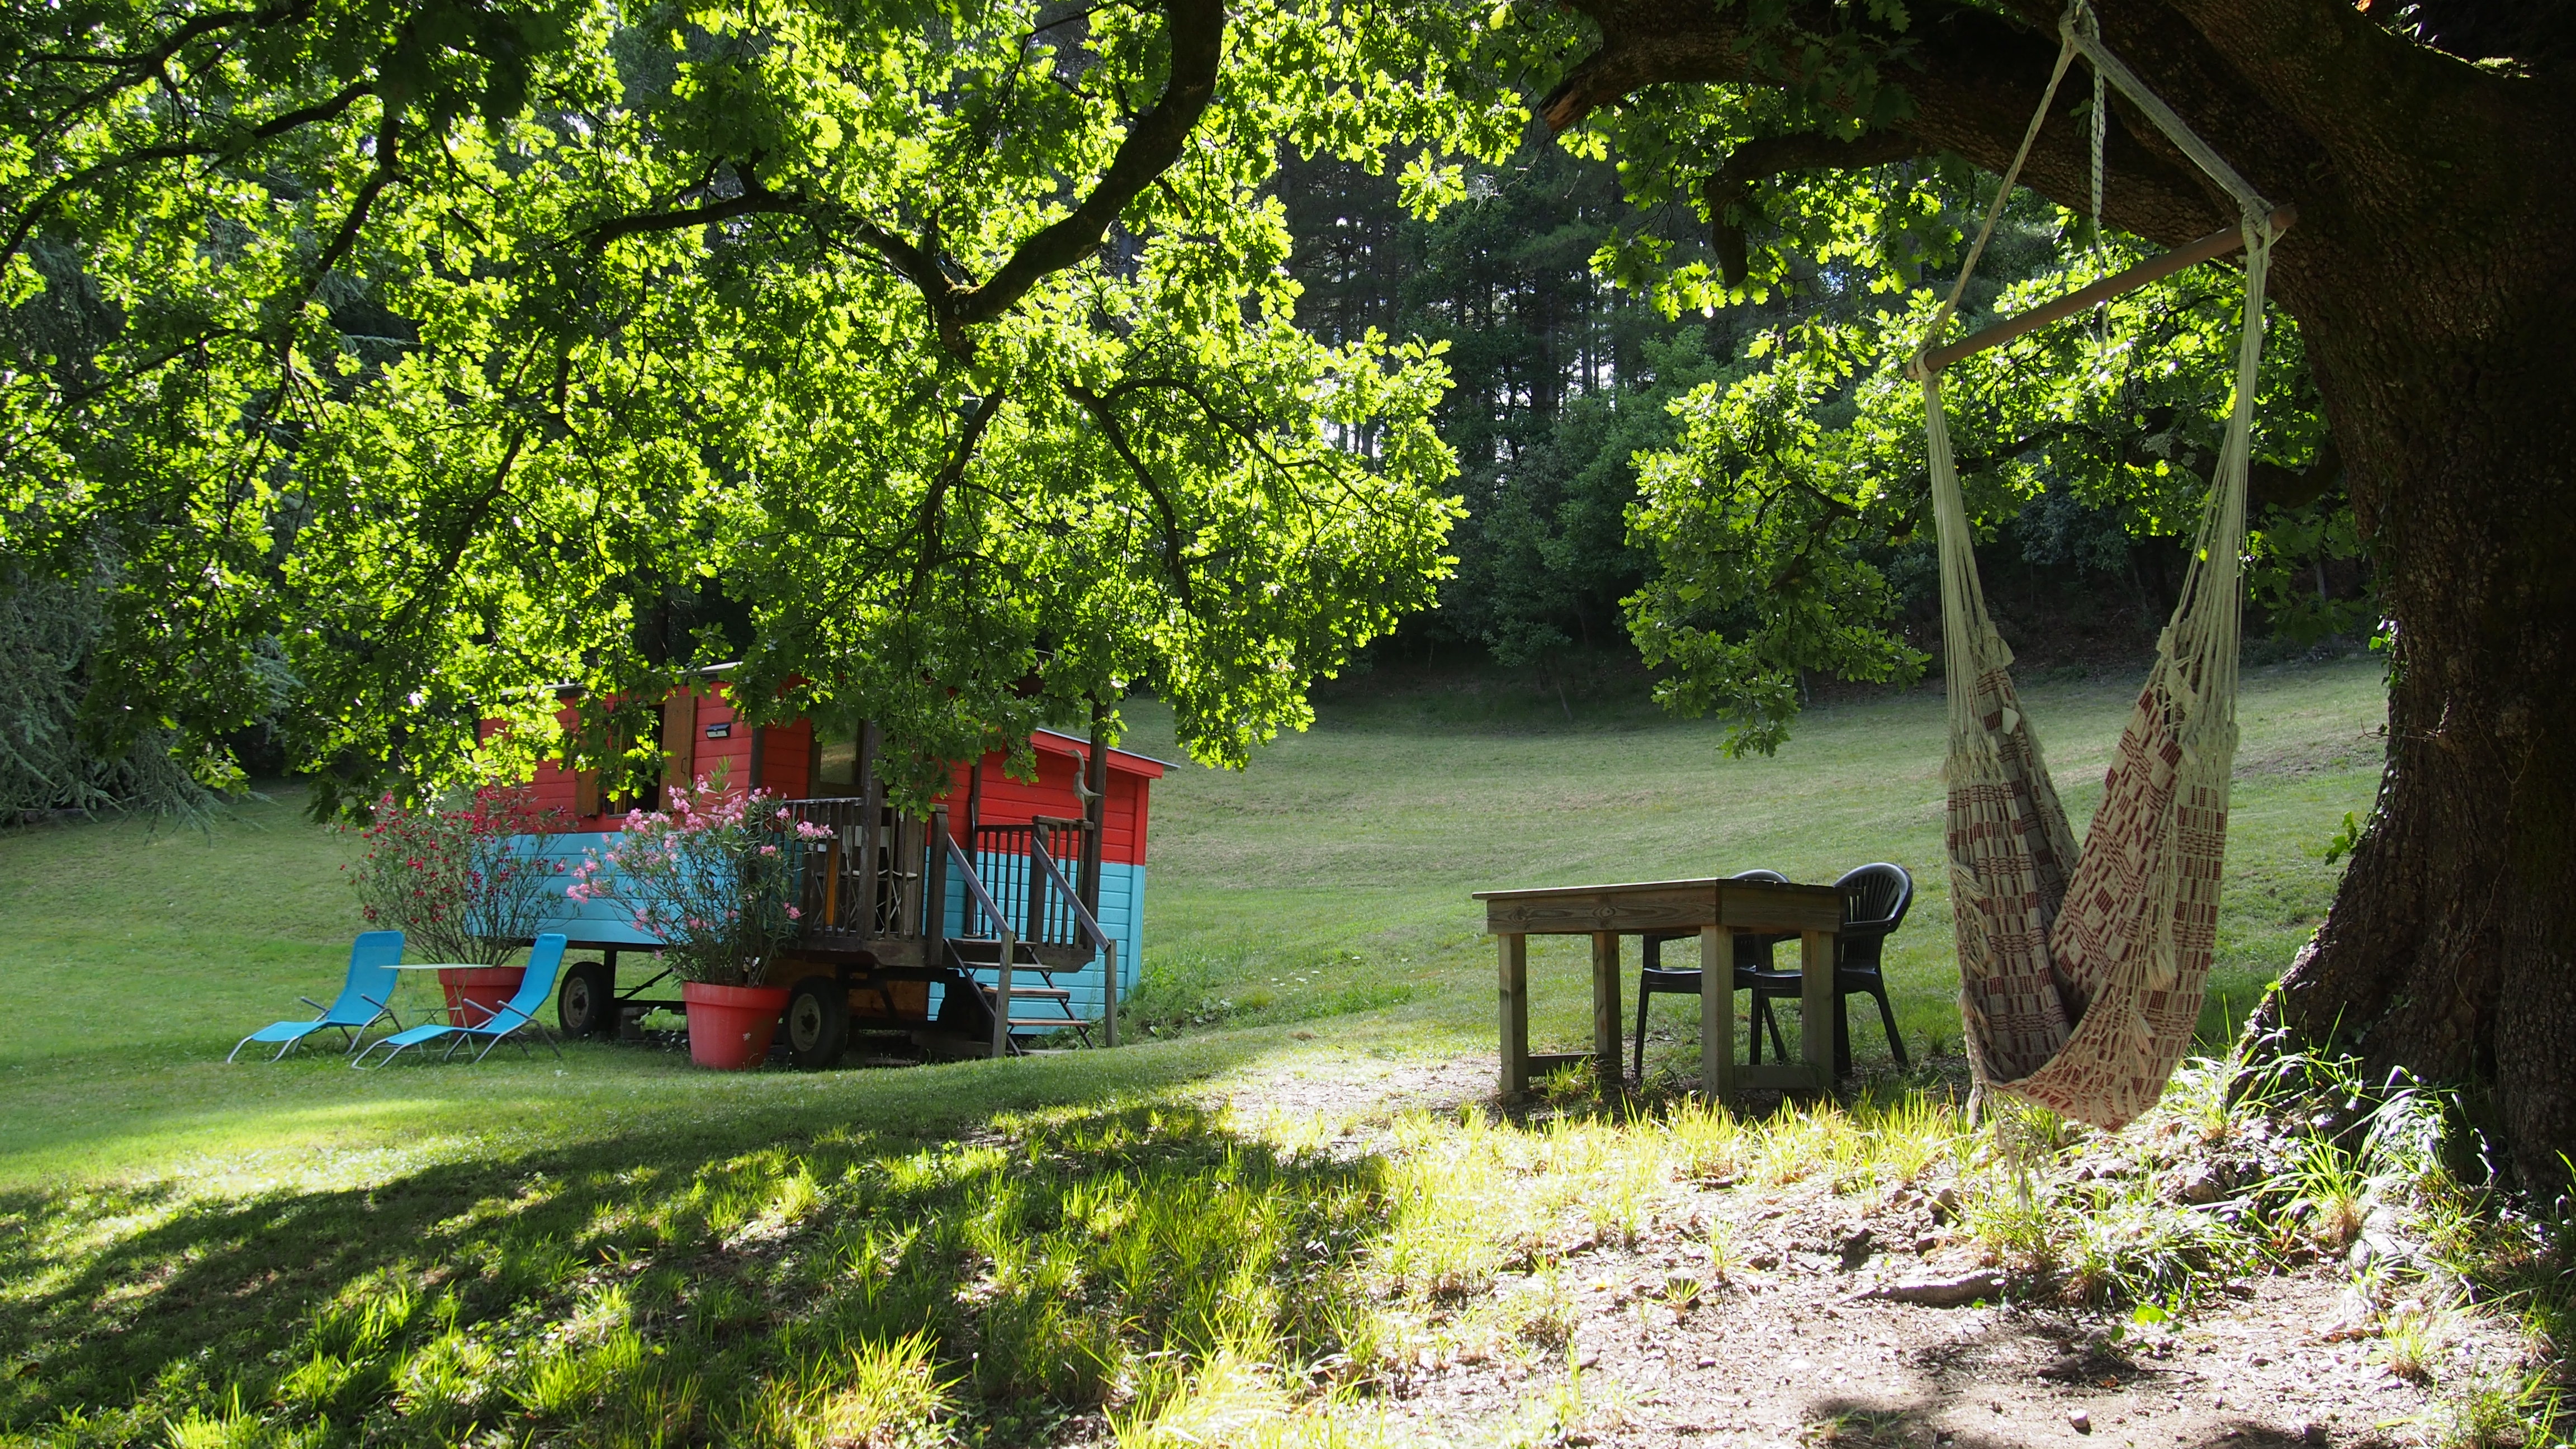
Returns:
point(614, 1248)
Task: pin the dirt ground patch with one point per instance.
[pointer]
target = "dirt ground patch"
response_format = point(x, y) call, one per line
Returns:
point(1736, 1316)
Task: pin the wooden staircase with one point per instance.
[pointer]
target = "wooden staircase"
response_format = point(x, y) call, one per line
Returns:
point(1040, 1006)
point(1065, 936)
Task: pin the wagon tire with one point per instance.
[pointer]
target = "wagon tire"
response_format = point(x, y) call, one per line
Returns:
point(586, 1003)
point(818, 1022)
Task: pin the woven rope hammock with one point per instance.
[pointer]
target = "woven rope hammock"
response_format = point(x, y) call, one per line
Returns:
point(2082, 972)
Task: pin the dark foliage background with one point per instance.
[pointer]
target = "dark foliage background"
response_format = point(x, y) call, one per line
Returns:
point(1560, 378)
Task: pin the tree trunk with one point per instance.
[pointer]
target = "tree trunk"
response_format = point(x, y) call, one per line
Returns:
point(2433, 275)
point(2451, 947)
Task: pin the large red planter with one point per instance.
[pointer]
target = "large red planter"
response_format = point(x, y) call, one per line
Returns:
point(476, 994)
point(730, 1026)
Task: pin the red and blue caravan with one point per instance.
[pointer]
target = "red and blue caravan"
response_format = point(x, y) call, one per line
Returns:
point(1011, 914)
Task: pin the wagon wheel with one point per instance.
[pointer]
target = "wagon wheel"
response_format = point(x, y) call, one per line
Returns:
point(586, 1003)
point(818, 1022)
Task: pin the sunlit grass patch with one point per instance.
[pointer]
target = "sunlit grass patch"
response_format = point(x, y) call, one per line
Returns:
point(1184, 1274)
point(755, 1295)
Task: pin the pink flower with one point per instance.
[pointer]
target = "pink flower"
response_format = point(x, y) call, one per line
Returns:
point(794, 914)
point(769, 850)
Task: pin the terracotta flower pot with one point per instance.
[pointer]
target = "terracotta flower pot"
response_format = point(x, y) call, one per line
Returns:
point(730, 1026)
point(476, 994)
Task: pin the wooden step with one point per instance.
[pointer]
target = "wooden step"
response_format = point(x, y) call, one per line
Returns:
point(981, 952)
point(1033, 993)
point(1051, 1023)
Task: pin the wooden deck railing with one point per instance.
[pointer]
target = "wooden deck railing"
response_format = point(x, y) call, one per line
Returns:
point(1042, 911)
point(866, 876)
point(872, 878)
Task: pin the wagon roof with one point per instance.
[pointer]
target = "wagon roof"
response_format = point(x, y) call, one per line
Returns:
point(1129, 761)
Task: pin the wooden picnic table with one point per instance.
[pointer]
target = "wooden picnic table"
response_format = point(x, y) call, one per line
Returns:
point(1716, 909)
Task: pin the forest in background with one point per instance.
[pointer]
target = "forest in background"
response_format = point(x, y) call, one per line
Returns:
point(1560, 378)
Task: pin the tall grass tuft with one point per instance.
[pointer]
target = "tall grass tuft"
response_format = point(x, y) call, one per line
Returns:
point(889, 1395)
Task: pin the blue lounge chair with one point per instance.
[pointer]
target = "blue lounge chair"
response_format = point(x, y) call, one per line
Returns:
point(361, 1003)
point(519, 1013)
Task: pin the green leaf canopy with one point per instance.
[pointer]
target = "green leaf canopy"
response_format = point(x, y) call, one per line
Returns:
point(937, 358)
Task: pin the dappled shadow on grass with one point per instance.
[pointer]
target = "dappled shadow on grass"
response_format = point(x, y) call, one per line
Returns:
point(669, 1289)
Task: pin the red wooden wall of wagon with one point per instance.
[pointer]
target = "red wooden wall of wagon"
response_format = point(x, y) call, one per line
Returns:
point(781, 761)
point(1006, 801)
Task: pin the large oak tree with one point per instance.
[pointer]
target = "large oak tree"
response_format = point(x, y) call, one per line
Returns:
point(2432, 276)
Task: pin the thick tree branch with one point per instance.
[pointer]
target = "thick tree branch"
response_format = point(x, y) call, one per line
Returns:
point(388, 164)
point(1197, 40)
point(916, 264)
point(145, 66)
point(1153, 145)
point(1207, 406)
point(2369, 96)
point(275, 126)
point(1107, 417)
point(754, 201)
point(1971, 79)
point(934, 502)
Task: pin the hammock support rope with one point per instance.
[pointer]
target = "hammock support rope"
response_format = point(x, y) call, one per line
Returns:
point(2081, 973)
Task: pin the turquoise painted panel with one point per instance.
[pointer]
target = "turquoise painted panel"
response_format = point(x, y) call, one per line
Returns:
point(602, 921)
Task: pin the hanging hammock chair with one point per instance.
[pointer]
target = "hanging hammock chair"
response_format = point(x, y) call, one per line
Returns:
point(2082, 971)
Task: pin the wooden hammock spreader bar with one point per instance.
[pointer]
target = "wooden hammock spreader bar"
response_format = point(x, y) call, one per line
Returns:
point(2156, 269)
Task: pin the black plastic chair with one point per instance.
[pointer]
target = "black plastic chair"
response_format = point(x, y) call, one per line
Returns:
point(1752, 967)
point(1875, 900)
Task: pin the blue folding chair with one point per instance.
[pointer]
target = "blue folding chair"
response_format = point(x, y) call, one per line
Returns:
point(361, 1003)
point(519, 1013)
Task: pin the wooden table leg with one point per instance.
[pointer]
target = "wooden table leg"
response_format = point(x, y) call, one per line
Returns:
point(1515, 1008)
point(1605, 1007)
point(1816, 1005)
point(1717, 1013)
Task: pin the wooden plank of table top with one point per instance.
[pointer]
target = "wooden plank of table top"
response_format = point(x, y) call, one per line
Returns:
point(1680, 906)
point(1677, 906)
point(1750, 905)
point(1608, 888)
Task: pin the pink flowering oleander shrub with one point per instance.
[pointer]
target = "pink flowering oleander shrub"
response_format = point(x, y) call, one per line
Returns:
point(713, 875)
point(454, 877)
